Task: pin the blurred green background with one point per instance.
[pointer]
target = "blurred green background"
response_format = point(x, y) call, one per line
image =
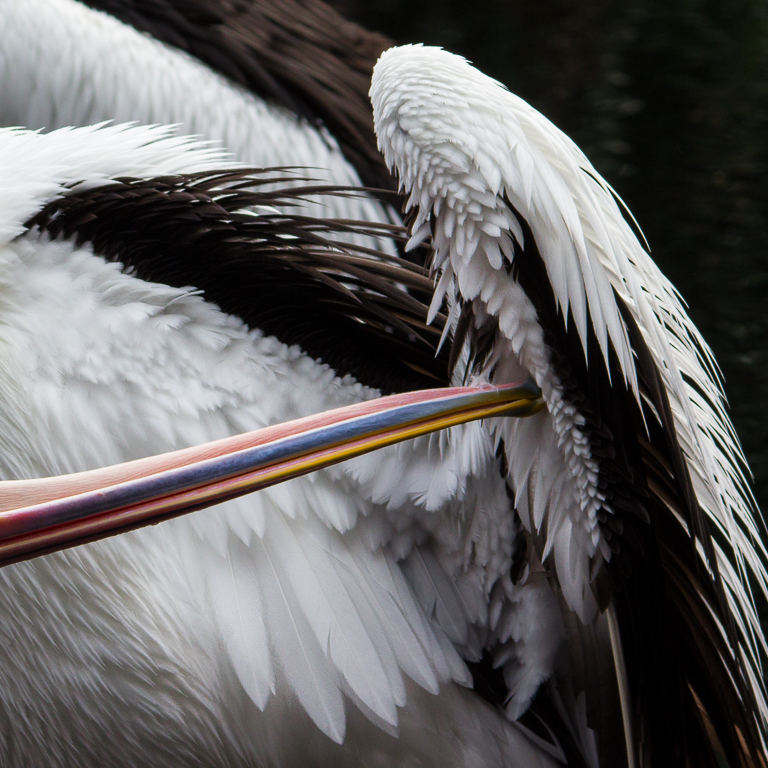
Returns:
point(669, 99)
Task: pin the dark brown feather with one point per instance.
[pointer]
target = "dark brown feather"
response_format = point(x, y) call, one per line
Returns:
point(301, 54)
point(345, 305)
point(719, 708)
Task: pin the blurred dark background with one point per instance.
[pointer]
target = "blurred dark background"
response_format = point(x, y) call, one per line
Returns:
point(669, 99)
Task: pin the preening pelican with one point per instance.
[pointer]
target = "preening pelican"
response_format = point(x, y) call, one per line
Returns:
point(575, 587)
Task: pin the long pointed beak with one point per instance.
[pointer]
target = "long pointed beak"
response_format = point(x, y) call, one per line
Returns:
point(42, 516)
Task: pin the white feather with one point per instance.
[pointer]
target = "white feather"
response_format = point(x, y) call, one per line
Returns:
point(302, 660)
point(591, 255)
point(286, 612)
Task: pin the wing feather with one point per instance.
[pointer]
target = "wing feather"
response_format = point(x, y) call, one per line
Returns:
point(301, 658)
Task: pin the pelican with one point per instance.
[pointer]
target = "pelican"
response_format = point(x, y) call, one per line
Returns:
point(574, 587)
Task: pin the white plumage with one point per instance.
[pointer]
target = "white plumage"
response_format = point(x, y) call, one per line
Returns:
point(290, 597)
point(329, 620)
point(493, 148)
point(472, 157)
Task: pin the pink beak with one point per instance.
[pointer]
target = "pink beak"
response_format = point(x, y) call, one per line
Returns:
point(45, 515)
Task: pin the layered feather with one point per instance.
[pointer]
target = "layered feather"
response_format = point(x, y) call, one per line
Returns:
point(293, 607)
point(491, 180)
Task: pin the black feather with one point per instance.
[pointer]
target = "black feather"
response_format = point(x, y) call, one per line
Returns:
point(301, 54)
point(278, 271)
